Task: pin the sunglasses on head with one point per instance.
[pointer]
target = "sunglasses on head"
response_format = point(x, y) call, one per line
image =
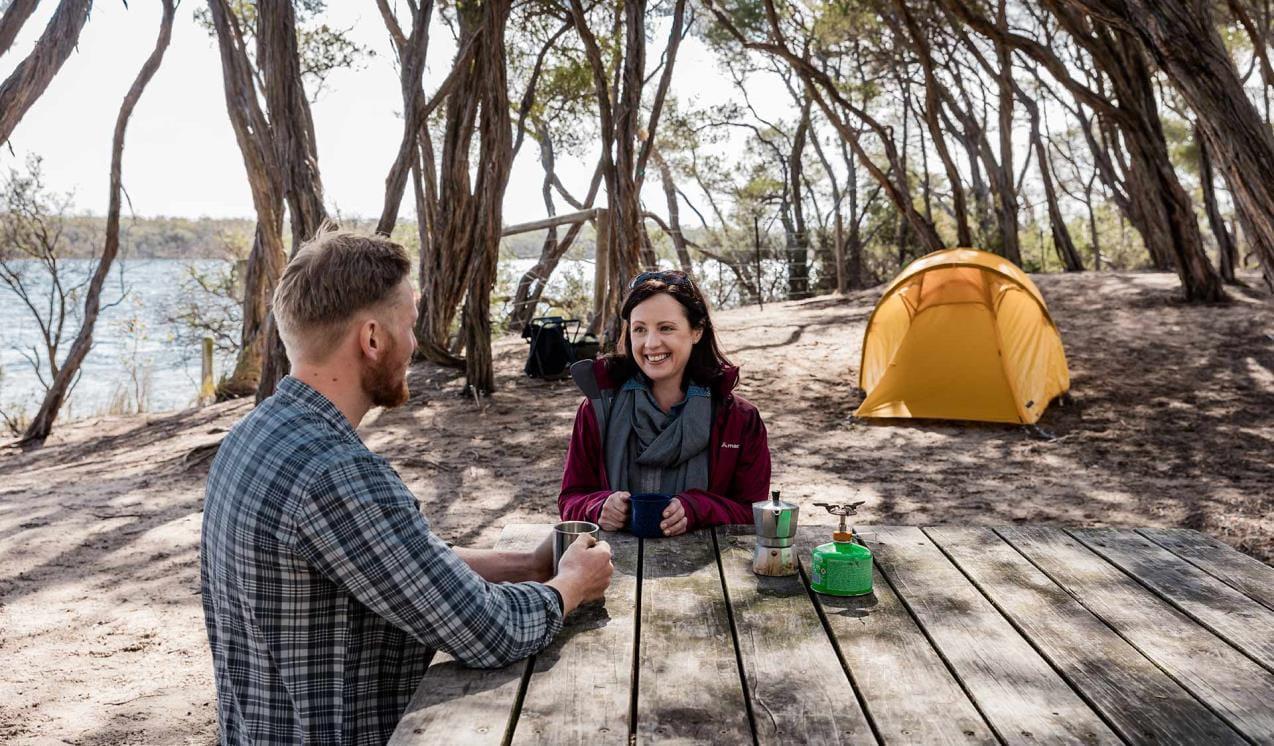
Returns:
point(670, 277)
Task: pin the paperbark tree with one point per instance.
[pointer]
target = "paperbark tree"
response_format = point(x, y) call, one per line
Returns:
point(838, 109)
point(932, 117)
point(495, 153)
point(42, 425)
point(1161, 208)
point(292, 130)
point(1183, 39)
point(626, 141)
point(265, 180)
point(270, 115)
point(1227, 252)
point(15, 17)
point(31, 77)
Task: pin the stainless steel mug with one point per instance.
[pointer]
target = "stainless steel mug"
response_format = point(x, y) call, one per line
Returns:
point(565, 534)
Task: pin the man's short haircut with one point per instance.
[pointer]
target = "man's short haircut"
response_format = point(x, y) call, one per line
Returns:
point(335, 275)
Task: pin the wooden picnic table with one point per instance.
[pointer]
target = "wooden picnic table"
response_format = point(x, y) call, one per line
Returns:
point(972, 635)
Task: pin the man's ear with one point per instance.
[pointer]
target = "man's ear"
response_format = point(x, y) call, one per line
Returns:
point(371, 339)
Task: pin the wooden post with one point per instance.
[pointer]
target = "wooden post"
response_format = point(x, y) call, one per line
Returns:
point(207, 391)
point(601, 271)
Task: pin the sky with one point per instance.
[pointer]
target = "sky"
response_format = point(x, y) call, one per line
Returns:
point(180, 156)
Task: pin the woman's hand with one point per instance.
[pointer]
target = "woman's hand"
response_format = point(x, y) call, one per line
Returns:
point(675, 521)
point(614, 512)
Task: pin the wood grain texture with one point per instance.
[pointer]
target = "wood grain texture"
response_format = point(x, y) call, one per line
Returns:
point(910, 694)
point(1017, 691)
point(1218, 559)
point(798, 688)
point(455, 704)
point(1228, 682)
point(1137, 699)
point(689, 689)
point(1244, 623)
point(580, 686)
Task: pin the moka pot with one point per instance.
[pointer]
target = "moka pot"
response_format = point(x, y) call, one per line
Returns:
point(775, 522)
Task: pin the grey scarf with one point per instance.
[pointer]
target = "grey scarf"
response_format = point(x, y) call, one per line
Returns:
point(648, 450)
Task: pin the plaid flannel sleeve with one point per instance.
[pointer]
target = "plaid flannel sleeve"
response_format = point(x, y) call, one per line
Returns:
point(360, 526)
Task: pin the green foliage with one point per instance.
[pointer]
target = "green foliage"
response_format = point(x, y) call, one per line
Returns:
point(321, 48)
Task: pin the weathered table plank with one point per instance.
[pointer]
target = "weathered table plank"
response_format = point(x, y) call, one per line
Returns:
point(1137, 699)
point(798, 689)
point(1244, 623)
point(689, 688)
point(455, 704)
point(580, 685)
point(1218, 559)
point(910, 694)
point(1230, 683)
point(1020, 695)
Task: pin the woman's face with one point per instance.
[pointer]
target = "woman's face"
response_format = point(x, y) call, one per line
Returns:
point(661, 338)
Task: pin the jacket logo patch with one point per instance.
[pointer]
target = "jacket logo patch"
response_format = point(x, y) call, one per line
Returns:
point(729, 445)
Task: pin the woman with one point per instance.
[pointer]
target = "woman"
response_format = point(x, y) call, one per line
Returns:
point(660, 416)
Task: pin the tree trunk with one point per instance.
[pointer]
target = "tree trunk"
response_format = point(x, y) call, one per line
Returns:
point(1062, 242)
point(445, 265)
point(625, 202)
point(1185, 44)
point(1066, 251)
point(412, 53)
point(831, 101)
point(1226, 250)
point(797, 241)
point(42, 425)
point(15, 17)
point(920, 44)
point(674, 212)
point(1010, 240)
point(1092, 225)
point(1161, 203)
point(265, 180)
point(31, 77)
point(495, 159)
point(292, 130)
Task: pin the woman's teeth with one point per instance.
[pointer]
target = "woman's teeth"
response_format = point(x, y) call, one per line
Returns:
point(657, 358)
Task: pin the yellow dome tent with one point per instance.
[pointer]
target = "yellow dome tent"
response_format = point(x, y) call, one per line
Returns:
point(962, 334)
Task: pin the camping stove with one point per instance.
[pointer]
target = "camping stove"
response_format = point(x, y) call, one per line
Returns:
point(841, 568)
point(775, 535)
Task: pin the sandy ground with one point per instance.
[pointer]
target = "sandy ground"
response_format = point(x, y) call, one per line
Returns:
point(101, 631)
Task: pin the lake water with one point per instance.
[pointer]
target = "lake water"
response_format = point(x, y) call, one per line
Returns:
point(133, 344)
point(136, 346)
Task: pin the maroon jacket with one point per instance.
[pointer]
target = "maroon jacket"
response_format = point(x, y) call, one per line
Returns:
point(738, 461)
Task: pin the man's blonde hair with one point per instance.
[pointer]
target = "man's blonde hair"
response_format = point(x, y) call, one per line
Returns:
point(333, 276)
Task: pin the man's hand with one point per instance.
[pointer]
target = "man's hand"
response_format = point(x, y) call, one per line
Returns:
point(584, 572)
point(675, 521)
point(614, 512)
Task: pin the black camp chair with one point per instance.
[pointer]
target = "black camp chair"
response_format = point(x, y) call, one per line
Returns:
point(555, 343)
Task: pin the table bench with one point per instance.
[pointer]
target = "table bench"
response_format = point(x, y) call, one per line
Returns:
point(972, 635)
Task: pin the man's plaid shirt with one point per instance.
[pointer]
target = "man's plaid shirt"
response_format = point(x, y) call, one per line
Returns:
point(324, 589)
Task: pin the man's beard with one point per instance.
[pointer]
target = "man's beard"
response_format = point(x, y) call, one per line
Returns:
point(384, 384)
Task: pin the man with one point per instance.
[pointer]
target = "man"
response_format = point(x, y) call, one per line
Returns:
point(323, 587)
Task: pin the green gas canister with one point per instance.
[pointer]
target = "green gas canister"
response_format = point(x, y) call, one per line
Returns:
point(842, 567)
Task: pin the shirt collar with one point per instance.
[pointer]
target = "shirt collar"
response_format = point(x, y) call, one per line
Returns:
point(297, 392)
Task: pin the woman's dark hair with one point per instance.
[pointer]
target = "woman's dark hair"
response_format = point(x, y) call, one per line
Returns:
point(707, 363)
